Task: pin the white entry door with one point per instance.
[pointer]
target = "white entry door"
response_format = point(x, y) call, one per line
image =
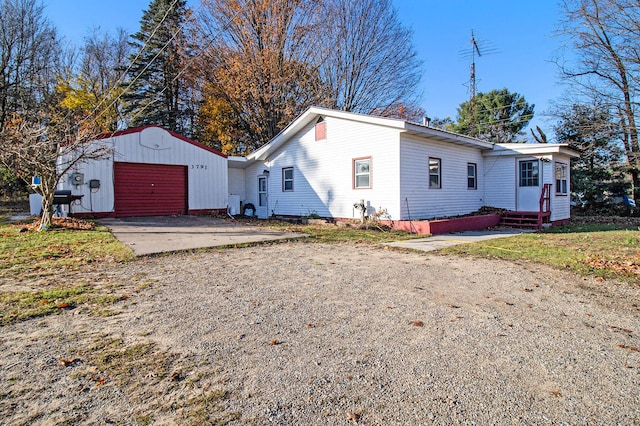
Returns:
point(262, 207)
point(529, 186)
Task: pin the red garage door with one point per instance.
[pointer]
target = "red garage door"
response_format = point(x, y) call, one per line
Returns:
point(150, 189)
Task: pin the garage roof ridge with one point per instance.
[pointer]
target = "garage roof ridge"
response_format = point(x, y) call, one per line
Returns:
point(172, 133)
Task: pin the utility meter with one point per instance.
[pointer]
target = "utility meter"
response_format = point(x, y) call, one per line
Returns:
point(77, 178)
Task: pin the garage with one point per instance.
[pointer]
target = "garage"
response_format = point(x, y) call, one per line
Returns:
point(149, 171)
point(150, 189)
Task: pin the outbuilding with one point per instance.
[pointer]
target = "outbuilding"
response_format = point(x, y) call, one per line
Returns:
point(150, 171)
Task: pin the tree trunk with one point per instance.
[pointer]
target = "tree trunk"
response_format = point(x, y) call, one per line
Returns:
point(47, 211)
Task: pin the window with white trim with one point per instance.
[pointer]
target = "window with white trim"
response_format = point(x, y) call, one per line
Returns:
point(435, 173)
point(529, 173)
point(562, 187)
point(362, 173)
point(472, 176)
point(287, 179)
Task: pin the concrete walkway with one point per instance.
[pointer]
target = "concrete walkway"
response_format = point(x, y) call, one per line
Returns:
point(150, 235)
point(440, 241)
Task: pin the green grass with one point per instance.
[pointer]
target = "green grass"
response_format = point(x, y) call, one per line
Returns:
point(48, 257)
point(607, 251)
point(32, 253)
point(347, 233)
point(23, 305)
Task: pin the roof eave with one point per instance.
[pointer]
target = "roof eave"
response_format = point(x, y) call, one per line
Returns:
point(445, 136)
point(510, 149)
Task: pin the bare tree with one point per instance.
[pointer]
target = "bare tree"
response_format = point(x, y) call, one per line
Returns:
point(94, 92)
point(29, 46)
point(39, 136)
point(37, 146)
point(368, 59)
point(606, 36)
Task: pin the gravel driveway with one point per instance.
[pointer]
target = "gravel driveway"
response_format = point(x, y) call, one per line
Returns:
point(309, 333)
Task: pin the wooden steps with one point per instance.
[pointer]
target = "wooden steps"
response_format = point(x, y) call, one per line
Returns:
point(528, 219)
point(534, 220)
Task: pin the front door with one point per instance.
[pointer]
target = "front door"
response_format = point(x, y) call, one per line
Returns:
point(529, 186)
point(262, 208)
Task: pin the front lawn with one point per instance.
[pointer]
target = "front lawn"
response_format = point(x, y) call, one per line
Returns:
point(37, 270)
point(27, 253)
point(603, 250)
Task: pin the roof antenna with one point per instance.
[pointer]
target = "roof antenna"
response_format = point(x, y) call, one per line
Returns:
point(471, 53)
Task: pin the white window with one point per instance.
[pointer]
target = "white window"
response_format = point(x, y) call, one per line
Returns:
point(561, 179)
point(435, 173)
point(529, 173)
point(262, 191)
point(287, 179)
point(472, 176)
point(362, 173)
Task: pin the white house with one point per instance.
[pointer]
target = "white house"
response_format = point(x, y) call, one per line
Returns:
point(150, 172)
point(326, 161)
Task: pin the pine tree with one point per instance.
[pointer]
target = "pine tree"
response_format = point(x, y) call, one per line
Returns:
point(154, 89)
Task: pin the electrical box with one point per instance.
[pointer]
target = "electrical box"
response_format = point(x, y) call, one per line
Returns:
point(94, 183)
point(77, 178)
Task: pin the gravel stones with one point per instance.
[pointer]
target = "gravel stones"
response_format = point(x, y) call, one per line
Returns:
point(306, 333)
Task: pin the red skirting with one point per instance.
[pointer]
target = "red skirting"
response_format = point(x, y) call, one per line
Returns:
point(445, 226)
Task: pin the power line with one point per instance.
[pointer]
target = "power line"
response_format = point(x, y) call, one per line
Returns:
point(184, 69)
point(117, 84)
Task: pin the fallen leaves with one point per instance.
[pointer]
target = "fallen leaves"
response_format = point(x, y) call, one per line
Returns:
point(69, 362)
point(417, 323)
point(62, 222)
point(354, 416)
point(631, 348)
point(275, 342)
point(617, 329)
point(556, 393)
point(625, 265)
point(99, 380)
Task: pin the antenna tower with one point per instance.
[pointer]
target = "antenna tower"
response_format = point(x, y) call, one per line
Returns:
point(475, 50)
point(472, 80)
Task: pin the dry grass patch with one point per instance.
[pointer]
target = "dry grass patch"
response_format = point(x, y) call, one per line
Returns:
point(162, 385)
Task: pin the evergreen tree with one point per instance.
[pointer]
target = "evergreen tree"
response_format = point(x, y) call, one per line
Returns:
point(155, 92)
point(592, 130)
point(497, 116)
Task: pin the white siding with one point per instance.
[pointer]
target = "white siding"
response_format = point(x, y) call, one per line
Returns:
point(323, 171)
point(207, 171)
point(237, 183)
point(251, 183)
point(500, 174)
point(417, 200)
point(94, 200)
point(502, 180)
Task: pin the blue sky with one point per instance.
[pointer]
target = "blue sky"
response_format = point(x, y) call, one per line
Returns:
point(520, 32)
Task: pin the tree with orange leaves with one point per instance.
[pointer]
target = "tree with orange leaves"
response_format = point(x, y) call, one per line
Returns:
point(269, 60)
point(257, 70)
